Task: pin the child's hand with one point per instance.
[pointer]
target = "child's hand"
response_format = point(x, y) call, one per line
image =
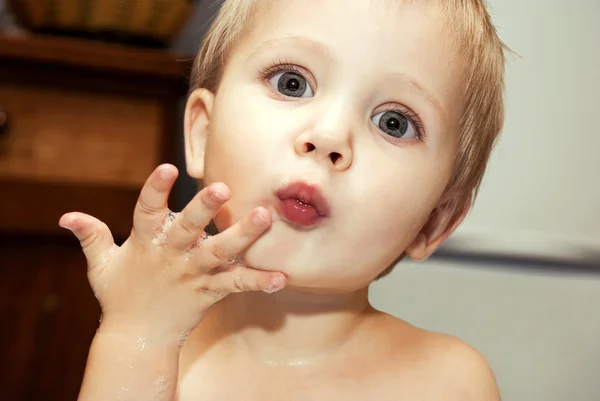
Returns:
point(161, 281)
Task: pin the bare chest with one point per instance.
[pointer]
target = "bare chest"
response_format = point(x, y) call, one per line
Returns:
point(354, 384)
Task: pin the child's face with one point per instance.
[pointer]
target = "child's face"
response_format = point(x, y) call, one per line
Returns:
point(347, 124)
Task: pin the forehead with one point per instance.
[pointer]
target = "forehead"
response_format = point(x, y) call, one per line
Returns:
point(383, 27)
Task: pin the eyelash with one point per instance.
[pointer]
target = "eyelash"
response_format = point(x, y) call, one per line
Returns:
point(280, 66)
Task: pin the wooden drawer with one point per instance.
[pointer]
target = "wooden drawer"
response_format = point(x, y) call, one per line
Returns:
point(73, 136)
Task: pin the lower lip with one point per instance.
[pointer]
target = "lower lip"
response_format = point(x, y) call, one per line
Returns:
point(299, 213)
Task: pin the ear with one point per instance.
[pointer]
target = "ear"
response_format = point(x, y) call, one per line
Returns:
point(441, 223)
point(196, 127)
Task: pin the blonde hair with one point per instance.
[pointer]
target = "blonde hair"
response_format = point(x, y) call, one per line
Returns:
point(483, 56)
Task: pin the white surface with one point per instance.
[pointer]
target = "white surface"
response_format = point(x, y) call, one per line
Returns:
point(541, 195)
point(539, 331)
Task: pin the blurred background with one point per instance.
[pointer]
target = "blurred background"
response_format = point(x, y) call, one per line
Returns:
point(91, 97)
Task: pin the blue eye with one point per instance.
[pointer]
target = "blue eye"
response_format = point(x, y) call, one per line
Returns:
point(395, 124)
point(291, 84)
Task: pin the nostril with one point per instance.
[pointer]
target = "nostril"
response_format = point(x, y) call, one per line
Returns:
point(334, 156)
point(308, 147)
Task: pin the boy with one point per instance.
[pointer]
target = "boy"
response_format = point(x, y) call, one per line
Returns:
point(333, 137)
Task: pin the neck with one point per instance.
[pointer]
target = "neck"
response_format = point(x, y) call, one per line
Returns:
point(287, 328)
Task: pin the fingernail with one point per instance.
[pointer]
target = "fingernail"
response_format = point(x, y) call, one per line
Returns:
point(277, 283)
point(258, 218)
point(217, 192)
point(69, 221)
point(165, 173)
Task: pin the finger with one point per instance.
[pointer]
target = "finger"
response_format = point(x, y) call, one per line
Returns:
point(243, 279)
point(153, 198)
point(94, 236)
point(224, 247)
point(190, 223)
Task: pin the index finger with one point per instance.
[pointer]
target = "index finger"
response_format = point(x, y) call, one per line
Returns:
point(225, 246)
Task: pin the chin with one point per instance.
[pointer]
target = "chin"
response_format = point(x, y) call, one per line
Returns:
point(276, 251)
point(303, 267)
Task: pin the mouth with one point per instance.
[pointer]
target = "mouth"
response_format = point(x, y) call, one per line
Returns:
point(302, 204)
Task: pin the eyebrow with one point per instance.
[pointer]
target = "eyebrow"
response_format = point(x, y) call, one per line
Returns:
point(299, 42)
point(426, 93)
point(310, 45)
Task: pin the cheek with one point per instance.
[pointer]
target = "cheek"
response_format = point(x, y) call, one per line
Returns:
point(244, 127)
point(242, 150)
point(396, 204)
point(233, 144)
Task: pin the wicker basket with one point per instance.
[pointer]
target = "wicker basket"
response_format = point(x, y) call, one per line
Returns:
point(143, 22)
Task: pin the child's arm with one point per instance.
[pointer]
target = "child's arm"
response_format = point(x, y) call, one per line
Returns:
point(156, 287)
point(118, 370)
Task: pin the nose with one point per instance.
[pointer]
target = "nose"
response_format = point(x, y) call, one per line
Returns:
point(331, 147)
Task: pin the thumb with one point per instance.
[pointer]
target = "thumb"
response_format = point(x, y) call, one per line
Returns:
point(93, 235)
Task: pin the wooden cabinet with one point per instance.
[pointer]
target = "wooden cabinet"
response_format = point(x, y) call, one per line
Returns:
point(67, 135)
point(82, 124)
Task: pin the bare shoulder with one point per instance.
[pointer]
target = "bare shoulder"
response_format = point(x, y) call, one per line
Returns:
point(465, 371)
point(441, 362)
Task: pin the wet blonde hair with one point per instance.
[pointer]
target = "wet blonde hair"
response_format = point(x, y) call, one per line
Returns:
point(476, 41)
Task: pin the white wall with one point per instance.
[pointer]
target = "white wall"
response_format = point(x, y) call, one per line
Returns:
point(541, 193)
point(539, 328)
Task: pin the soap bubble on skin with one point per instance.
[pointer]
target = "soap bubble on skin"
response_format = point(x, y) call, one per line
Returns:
point(229, 265)
point(216, 296)
point(141, 343)
point(288, 362)
point(189, 254)
point(123, 361)
point(125, 393)
point(141, 340)
point(161, 386)
point(163, 228)
point(108, 255)
point(97, 295)
point(237, 260)
point(183, 338)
